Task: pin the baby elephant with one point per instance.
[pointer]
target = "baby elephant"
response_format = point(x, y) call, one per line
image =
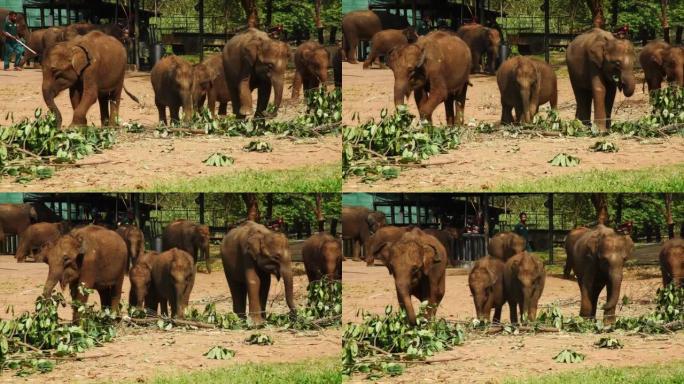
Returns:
point(322, 256)
point(160, 278)
point(385, 41)
point(672, 262)
point(311, 63)
point(218, 92)
point(524, 279)
point(504, 245)
point(525, 83)
point(487, 287)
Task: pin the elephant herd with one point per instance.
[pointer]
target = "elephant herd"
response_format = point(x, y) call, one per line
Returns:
point(100, 258)
point(417, 259)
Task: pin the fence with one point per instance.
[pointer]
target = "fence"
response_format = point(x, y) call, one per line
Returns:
point(9, 246)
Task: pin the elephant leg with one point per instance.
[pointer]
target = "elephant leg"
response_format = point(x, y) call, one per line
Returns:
point(356, 250)
point(105, 297)
point(594, 295)
point(223, 109)
point(583, 99)
point(297, 85)
point(263, 95)
point(476, 62)
point(75, 96)
point(434, 98)
point(114, 104)
point(370, 59)
point(449, 109)
point(162, 113)
point(243, 106)
point(598, 92)
point(253, 296)
point(164, 306)
point(353, 42)
point(419, 95)
point(513, 306)
point(264, 288)
point(609, 100)
point(460, 105)
point(88, 98)
point(174, 111)
point(103, 102)
point(211, 103)
point(497, 314)
point(116, 295)
point(506, 112)
point(585, 295)
point(238, 292)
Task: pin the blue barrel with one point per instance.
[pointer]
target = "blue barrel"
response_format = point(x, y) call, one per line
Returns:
point(157, 53)
point(158, 244)
point(503, 54)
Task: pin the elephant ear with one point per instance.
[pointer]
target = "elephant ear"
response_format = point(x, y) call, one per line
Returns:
point(79, 59)
point(254, 246)
point(251, 51)
point(657, 59)
point(421, 60)
point(381, 251)
point(593, 243)
point(597, 51)
point(492, 276)
point(430, 257)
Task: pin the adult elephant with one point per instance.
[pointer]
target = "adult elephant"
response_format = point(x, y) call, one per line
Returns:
point(524, 279)
point(570, 241)
point(92, 67)
point(15, 218)
point(178, 84)
point(189, 236)
point(252, 60)
point(672, 262)
point(525, 83)
point(311, 67)
point(134, 239)
point(93, 256)
point(386, 40)
point(436, 68)
point(598, 256)
point(251, 253)
point(417, 261)
point(358, 26)
point(322, 256)
point(378, 245)
point(218, 90)
point(358, 224)
point(599, 64)
point(36, 237)
point(481, 41)
point(504, 245)
point(41, 40)
point(445, 238)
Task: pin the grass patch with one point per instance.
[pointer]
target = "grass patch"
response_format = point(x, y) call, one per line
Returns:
point(319, 178)
point(305, 372)
point(656, 179)
point(652, 374)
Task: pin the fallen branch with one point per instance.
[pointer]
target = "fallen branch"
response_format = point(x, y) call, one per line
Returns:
point(153, 320)
point(81, 357)
point(29, 153)
point(80, 164)
point(29, 346)
point(499, 328)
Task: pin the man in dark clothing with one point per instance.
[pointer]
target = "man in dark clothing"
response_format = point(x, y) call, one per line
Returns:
point(9, 29)
point(522, 230)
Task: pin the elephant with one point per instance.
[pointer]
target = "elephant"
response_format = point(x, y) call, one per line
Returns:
point(379, 243)
point(357, 26)
point(252, 60)
point(652, 58)
point(218, 91)
point(358, 223)
point(524, 278)
point(135, 241)
point(22, 27)
point(598, 65)
point(74, 30)
point(311, 61)
point(570, 241)
point(598, 256)
point(162, 279)
point(15, 218)
point(444, 236)
point(41, 40)
point(672, 262)
point(504, 245)
point(93, 256)
point(481, 40)
point(674, 66)
point(525, 83)
point(322, 256)
point(386, 40)
point(250, 254)
point(486, 284)
point(417, 261)
point(92, 67)
point(436, 68)
point(337, 54)
point(176, 84)
point(36, 237)
point(190, 237)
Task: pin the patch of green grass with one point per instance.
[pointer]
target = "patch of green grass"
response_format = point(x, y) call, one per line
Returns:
point(652, 374)
point(657, 179)
point(320, 178)
point(305, 372)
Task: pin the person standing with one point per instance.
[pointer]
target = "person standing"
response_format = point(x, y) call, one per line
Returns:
point(9, 29)
point(522, 230)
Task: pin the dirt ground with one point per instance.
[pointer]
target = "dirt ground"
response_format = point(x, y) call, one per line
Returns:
point(484, 160)
point(140, 353)
point(138, 161)
point(372, 288)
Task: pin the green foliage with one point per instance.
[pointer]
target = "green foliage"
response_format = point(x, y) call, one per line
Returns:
point(397, 138)
point(210, 316)
point(670, 303)
point(609, 343)
point(219, 160)
point(604, 146)
point(565, 160)
point(25, 146)
point(323, 308)
point(392, 333)
point(219, 353)
point(569, 356)
point(552, 122)
point(258, 146)
point(259, 339)
point(666, 118)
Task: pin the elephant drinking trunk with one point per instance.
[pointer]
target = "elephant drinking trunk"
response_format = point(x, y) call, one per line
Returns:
point(49, 97)
point(614, 283)
point(286, 274)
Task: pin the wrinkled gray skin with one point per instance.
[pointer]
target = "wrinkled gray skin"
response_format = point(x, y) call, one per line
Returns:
point(524, 279)
point(599, 64)
point(417, 261)
point(358, 224)
point(251, 253)
point(322, 256)
point(189, 236)
point(598, 257)
point(672, 262)
point(378, 245)
point(525, 83)
point(486, 284)
point(166, 279)
point(504, 245)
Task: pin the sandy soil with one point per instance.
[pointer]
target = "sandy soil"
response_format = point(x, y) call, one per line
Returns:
point(485, 160)
point(138, 161)
point(164, 352)
point(372, 288)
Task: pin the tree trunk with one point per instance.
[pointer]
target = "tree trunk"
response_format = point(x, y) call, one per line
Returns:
point(664, 20)
point(320, 218)
point(252, 204)
point(596, 8)
point(269, 207)
point(251, 11)
point(269, 13)
point(668, 216)
point(601, 205)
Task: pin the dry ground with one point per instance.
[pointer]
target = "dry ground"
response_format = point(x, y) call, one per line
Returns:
point(485, 160)
point(141, 353)
point(138, 161)
point(491, 359)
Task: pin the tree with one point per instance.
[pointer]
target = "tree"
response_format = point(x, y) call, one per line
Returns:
point(668, 216)
point(251, 11)
point(319, 212)
point(596, 8)
point(601, 205)
point(664, 20)
point(252, 205)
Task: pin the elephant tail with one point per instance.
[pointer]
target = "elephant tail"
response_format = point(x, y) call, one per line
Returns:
point(132, 96)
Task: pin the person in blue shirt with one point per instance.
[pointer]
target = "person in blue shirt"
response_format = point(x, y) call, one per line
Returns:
point(522, 230)
point(9, 29)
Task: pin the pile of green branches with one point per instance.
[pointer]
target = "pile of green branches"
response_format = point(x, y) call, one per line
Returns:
point(666, 118)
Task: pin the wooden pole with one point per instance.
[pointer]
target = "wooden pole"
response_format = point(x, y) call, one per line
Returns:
point(200, 6)
point(550, 234)
point(200, 202)
point(547, 54)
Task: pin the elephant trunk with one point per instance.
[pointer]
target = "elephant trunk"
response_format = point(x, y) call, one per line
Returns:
point(405, 302)
point(49, 97)
point(527, 300)
point(401, 91)
point(188, 107)
point(286, 274)
point(628, 83)
point(278, 83)
point(525, 94)
point(50, 283)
